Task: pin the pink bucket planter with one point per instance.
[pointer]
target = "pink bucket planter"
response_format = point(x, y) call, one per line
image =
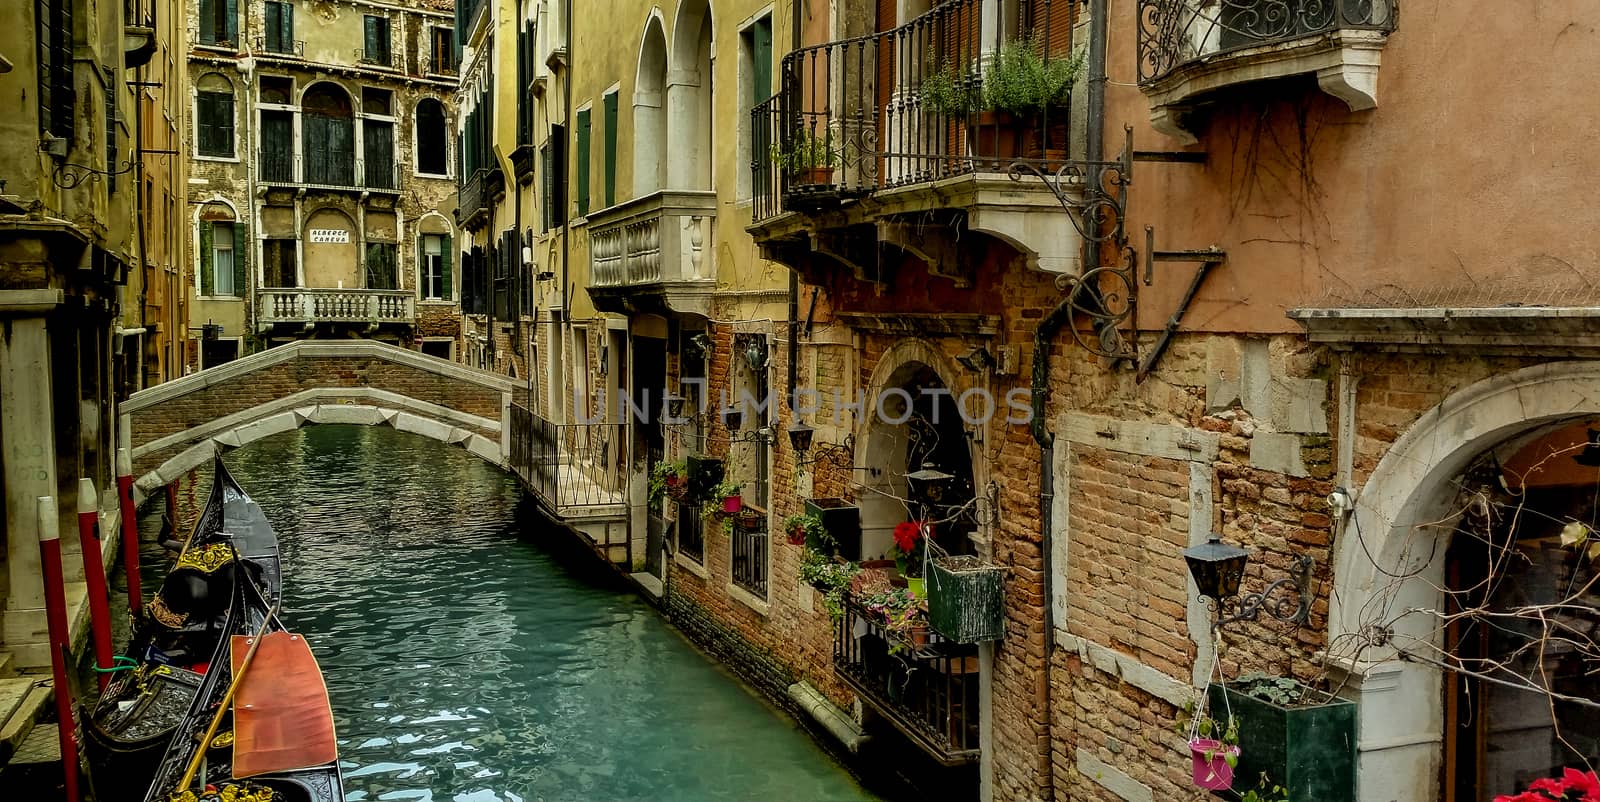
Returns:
point(1212, 773)
point(732, 504)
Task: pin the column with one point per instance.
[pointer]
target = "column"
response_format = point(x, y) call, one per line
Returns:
point(29, 472)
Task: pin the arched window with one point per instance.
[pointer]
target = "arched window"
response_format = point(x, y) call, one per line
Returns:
point(213, 116)
point(328, 130)
point(222, 252)
point(431, 151)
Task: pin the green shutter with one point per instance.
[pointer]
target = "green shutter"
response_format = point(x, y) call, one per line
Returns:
point(241, 257)
point(583, 163)
point(611, 148)
point(762, 56)
point(232, 10)
point(286, 27)
point(444, 259)
point(205, 257)
point(224, 125)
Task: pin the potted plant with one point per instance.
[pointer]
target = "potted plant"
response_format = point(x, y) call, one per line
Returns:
point(809, 159)
point(842, 521)
point(1300, 736)
point(1213, 745)
point(667, 480)
point(750, 520)
point(831, 576)
point(1574, 784)
point(807, 529)
point(909, 551)
point(966, 599)
point(952, 93)
point(903, 616)
point(722, 502)
point(1020, 85)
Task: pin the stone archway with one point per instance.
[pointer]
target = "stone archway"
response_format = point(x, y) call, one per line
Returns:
point(689, 97)
point(649, 117)
point(1388, 560)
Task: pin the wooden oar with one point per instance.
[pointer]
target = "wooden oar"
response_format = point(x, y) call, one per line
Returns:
point(200, 753)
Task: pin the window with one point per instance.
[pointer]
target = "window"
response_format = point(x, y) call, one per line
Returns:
point(221, 260)
point(525, 70)
point(553, 160)
point(380, 266)
point(219, 22)
point(280, 27)
point(214, 117)
point(328, 131)
point(53, 35)
point(277, 146)
point(377, 101)
point(610, 103)
point(277, 90)
point(377, 41)
point(378, 144)
point(431, 157)
point(218, 352)
point(443, 349)
point(755, 78)
point(278, 256)
point(444, 51)
point(583, 163)
point(434, 272)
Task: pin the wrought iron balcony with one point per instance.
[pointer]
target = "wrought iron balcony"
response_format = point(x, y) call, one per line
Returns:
point(1189, 48)
point(475, 195)
point(326, 171)
point(930, 692)
point(651, 253)
point(310, 306)
point(373, 58)
point(576, 470)
point(274, 47)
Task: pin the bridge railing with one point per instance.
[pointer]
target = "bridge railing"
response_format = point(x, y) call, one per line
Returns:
point(570, 466)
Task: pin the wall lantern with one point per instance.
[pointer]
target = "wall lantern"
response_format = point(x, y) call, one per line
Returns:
point(675, 408)
point(1590, 455)
point(211, 331)
point(733, 418)
point(1218, 569)
point(755, 355)
point(800, 436)
point(840, 454)
point(702, 342)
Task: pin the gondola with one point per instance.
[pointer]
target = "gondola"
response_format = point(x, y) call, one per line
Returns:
point(280, 739)
point(182, 630)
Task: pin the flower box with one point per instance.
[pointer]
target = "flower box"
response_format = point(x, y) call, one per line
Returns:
point(703, 474)
point(1308, 747)
point(843, 522)
point(966, 599)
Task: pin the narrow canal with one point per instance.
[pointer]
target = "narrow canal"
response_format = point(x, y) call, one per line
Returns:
point(468, 662)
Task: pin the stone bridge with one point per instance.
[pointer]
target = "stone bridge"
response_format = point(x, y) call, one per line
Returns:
point(177, 426)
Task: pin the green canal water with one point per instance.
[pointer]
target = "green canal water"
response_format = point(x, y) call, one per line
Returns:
point(469, 660)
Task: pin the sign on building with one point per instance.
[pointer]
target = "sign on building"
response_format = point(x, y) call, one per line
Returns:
point(337, 236)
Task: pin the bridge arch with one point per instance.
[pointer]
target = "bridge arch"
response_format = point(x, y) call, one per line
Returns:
point(174, 427)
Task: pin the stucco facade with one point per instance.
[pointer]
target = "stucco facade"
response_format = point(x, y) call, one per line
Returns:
point(322, 163)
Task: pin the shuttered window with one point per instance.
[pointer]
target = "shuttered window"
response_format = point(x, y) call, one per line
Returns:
point(219, 22)
point(277, 146)
point(214, 123)
point(378, 144)
point(583, 162)
point(761, 60)
point(377, 40)
point(280, 27)
point(53, 38)
point(380, 266)
point(431, 158)
point(434, 270)
point(611, 148)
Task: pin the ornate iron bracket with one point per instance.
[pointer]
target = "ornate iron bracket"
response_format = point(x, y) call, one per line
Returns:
point(1275, 599)
point(842, 455)
point(68, 175)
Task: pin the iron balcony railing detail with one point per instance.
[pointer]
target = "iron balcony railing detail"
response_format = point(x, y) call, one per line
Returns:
point(1173, 33)
point(659, 237)
point(571, 467)
point(749, 551)
point(929, 692)
point(691, 530)
point(904, 106)
point(296, 47)
point(319, 170)
point(312, 305)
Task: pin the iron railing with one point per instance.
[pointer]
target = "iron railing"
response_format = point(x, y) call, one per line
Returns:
point(569, 465)
point(315, 305)
point(317, 169)
point(1173, 33)
point(691, 531)
point(861, 114)
point(278, 167)
point(374, 58)
point(749, 551)
point(296, 47)
point(929, 692)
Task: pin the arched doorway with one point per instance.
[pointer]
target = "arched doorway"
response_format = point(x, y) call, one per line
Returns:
point(1444, 558)
point(689, 98)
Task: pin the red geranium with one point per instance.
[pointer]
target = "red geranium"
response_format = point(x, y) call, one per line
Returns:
point(1574, 786)
point(906, 535)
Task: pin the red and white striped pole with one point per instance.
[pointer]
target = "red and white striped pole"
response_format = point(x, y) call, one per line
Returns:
point(94, 573)
point(55, 614)
point(130, 531)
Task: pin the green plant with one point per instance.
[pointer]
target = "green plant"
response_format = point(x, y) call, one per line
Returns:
point(900, 612)
point(1023, 82)
point(662, 475)
point(1196, 722)
point(813, 528)
point(712, 508)
point(805, 152)
point(1265, 791)
point(1281, 691)
point(831, 577)
point(951, 93)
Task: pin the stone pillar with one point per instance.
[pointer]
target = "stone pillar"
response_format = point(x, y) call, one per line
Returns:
point(29, 473)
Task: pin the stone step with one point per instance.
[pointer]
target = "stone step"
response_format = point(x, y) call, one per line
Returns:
point(8, 665)
point(31, 694)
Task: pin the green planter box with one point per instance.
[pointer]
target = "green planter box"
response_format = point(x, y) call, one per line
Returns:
point(842, 520)
point(702, 474)
point(1309, 750)
point(966, 599)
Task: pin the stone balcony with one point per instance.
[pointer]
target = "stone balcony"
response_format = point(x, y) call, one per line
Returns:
point(309, 307)
point(651, 254)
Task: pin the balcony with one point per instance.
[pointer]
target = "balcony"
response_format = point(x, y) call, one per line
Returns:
point(576, 470)
point(277, 47)
point(373, 58)
point(870, 133)
point(327, 171)
point(928, 692)
point(1189, 49)
point(477, 195)
point(650, 254)
point(309, 307)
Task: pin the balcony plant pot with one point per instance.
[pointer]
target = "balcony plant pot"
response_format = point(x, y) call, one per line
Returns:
point(750, 520)
point(797, 536)
point(678, 488)
point(1308, 746)
point(1209, 759)
point(702, 474)
point(732, 504)
point(992, 138)
point(842, 519)
point(966, 599)
point(814, 177)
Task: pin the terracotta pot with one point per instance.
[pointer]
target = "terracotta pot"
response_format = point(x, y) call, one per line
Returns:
point(815, 176)
point(1214, 773)
point(797, 536)
point(992, 139)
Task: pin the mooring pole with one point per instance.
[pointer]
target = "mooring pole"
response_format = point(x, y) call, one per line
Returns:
point(130, 531)
point(94, 574)
point(55, 614)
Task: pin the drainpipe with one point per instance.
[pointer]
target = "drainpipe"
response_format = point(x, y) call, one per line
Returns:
point(139, 217)
point(566, 222)
point(794, 278)
point(1049, 327)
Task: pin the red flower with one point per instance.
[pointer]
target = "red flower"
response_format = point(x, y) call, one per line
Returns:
point(1547, 789)
point(906, 535)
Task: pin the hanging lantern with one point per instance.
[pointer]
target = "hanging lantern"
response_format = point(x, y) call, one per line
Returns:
point(800, 436)
point(733, 418)
point(755, 355)
point(1217, 567)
